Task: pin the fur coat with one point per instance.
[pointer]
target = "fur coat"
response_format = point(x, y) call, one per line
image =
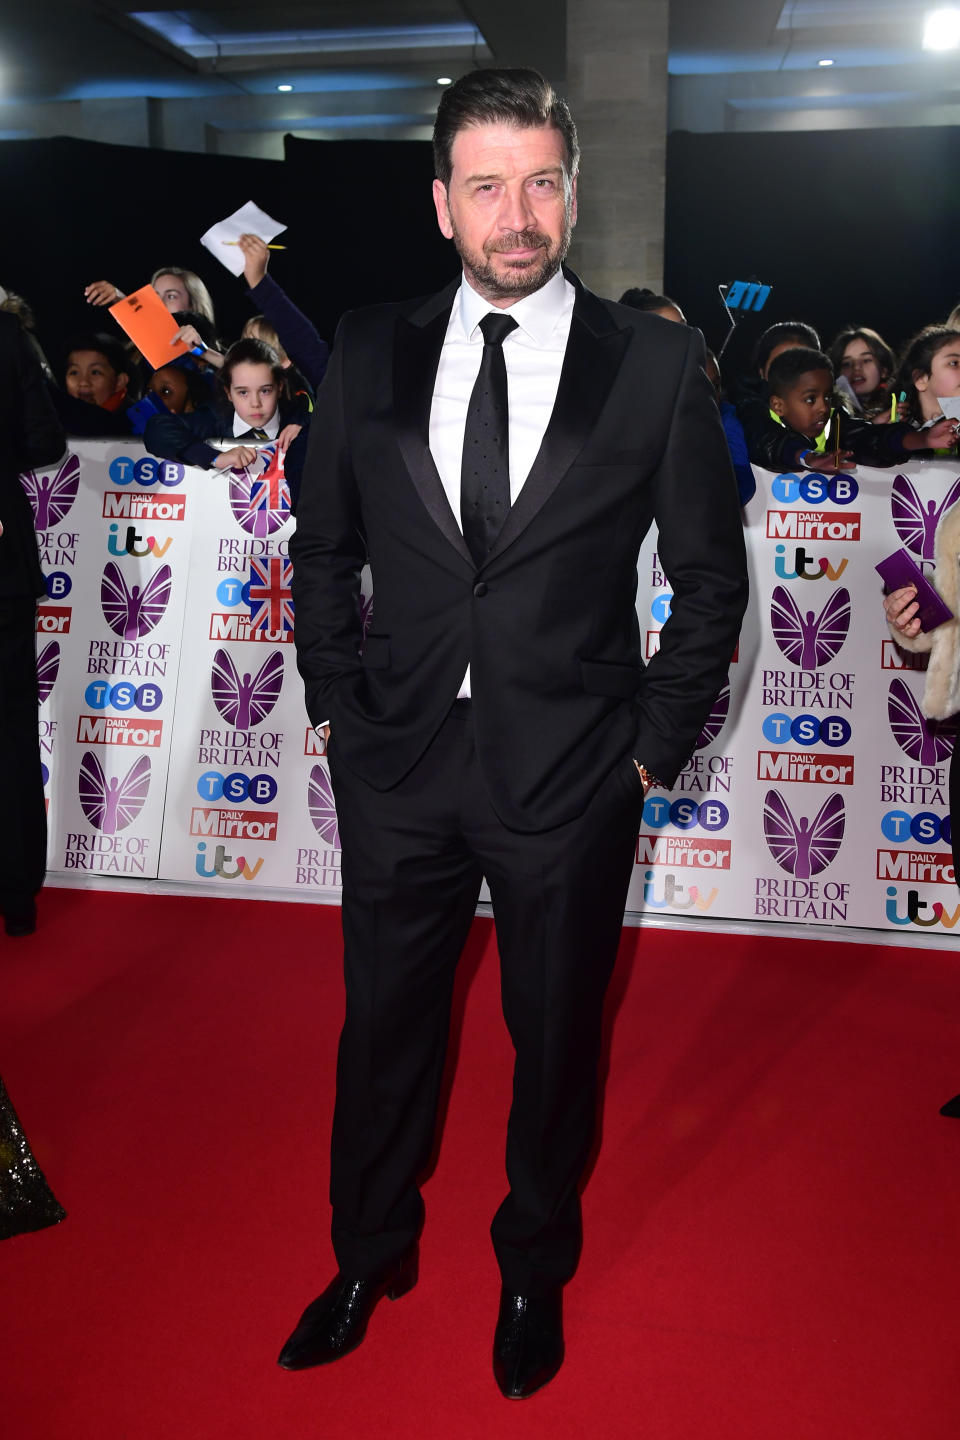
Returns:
point(941, 695)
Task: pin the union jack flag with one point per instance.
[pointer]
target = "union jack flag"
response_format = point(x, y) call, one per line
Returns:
point(269, 594)
point(270, 489)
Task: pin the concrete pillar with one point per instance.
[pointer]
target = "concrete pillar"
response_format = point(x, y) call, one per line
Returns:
point(617, 89)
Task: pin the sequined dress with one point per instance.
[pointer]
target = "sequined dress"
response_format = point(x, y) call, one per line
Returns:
point(26, 1201)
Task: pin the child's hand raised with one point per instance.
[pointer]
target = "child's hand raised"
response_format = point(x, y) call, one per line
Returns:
point(236, 459)
point(287, 435)
point(102, 292)
point(942, 435)
point(255, 256)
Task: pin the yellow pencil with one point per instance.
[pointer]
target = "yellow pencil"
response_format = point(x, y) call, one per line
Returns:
point(269, 247)
point(893, 407)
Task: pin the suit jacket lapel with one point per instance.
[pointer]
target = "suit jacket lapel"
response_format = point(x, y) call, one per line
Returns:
point(418, 341)
point(594, 351)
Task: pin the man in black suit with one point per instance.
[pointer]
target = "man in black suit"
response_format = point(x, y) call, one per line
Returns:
point(30, 437)
point(497, 452)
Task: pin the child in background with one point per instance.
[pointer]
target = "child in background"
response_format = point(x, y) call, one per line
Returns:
point(299, 341)
point(254, 405)
point(653, 304)
point(736, 440)
point(801, 403)
point(867, 363)
point(98, 387)
point(929, 371)
point(750, 393)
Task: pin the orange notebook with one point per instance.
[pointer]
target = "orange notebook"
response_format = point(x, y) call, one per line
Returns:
point(150, 326)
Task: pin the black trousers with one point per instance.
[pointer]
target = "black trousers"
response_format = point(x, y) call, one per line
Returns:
point(23, 830)
point(413, 859)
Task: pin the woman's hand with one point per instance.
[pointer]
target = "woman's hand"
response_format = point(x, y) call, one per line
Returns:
point(901, 609)
point(287, 435)
point(102, 292)
point(256, 257)
point(236, 459)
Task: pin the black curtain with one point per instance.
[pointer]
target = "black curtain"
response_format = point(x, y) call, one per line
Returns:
point(849, 226)
point(858, 226)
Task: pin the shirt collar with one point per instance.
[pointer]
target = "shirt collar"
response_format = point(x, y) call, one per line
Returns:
point(537, 314)
point(271, 426)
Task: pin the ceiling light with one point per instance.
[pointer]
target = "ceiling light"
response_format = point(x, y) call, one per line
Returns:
point(284, 88)
point(825, 62)
point(941, 30)
point(444, 80)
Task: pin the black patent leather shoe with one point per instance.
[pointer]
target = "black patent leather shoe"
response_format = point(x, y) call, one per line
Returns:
point(337, 1320)
point(528, 1342)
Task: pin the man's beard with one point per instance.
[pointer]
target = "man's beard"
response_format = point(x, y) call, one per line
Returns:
point(520, 277)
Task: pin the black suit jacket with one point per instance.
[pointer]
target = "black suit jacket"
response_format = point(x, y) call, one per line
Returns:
point(561, 693)
point(30, 437)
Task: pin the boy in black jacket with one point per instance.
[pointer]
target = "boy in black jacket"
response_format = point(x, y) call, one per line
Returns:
point(792, 436)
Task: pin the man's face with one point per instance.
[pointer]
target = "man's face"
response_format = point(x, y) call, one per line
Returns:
point(509, 209)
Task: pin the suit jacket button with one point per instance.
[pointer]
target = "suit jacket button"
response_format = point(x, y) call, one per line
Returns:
point(480, 589)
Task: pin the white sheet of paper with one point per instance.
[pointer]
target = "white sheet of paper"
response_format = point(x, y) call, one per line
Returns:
point(248, 220)
point(950, 405)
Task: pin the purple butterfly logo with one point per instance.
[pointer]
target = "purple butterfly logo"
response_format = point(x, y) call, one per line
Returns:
point(799, 847)
point(926, 741)
point(916, 520)
point(715, 720)
point(51, 496)
point(810, 640)
point(260, 503)
point(322, 806)
point(48, 666)
point(112, 805)
point(245, 700)
point(133, 612)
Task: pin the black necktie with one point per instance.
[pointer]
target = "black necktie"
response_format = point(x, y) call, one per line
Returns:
point(485, 469)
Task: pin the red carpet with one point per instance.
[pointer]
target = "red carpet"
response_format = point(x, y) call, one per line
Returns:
point(772, 1237)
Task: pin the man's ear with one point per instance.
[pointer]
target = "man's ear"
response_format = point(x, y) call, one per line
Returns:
point(442, 208)
point(573, 203)
point(777, 404)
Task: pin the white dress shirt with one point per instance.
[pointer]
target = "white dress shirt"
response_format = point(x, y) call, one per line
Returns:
point(271, 427)
point(533, 356)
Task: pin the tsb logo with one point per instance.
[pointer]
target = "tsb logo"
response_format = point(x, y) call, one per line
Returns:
point(806, 730)
point(815, 489)
point(100, 694)
point(236, 788)
point(925, 827)
point(684, 814)
point(146, 471)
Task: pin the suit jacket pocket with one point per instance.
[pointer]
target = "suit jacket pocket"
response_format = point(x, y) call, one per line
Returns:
point(608, 677)
point(376, 652)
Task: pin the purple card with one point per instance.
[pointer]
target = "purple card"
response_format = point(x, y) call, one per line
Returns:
point(900, 569)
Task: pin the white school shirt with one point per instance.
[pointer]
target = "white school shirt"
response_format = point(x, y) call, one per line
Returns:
point(533, 357)
point(271, 427)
